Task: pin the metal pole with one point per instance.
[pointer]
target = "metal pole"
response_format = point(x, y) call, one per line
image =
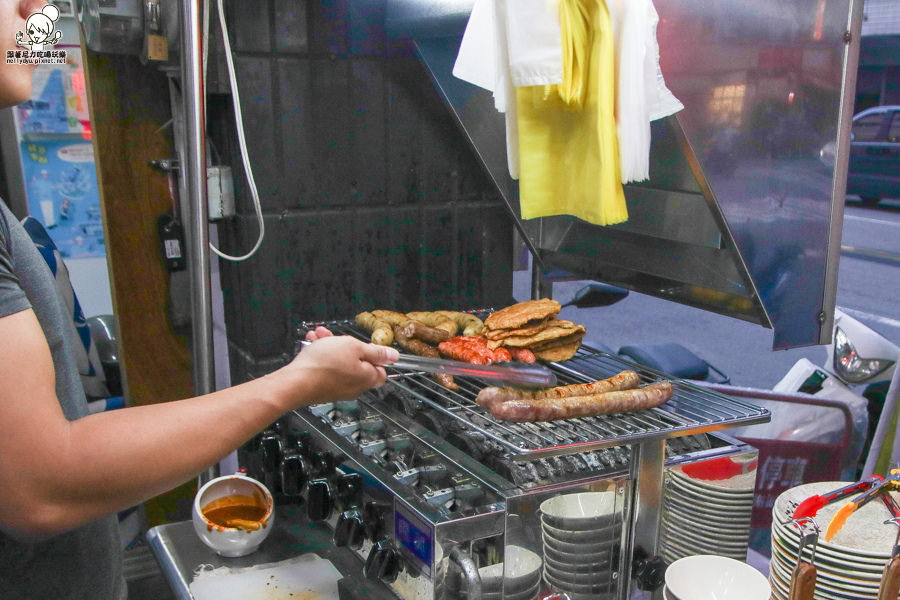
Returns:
point(193, 168)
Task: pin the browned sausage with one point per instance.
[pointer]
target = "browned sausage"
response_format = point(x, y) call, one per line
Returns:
point(589, 405)
point(411, 327)
point(420, 348)
point(622, 381)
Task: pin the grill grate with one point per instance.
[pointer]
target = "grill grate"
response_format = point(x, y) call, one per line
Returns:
point(691, 410)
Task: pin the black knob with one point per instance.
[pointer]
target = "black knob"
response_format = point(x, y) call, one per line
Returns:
point(374, 516)
point(319, 500)
point(649, 572)
point(349, 489)
point(350, 529)
point(294, 473)
point(272, 450)
point(383, 562)
point(322, 463)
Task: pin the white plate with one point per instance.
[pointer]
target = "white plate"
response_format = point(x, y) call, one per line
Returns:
point(742, 484)
point(714, 546)
point(599, 577)
point(825, 562)
point(822, 590)
point(715, 513)
point(864, 534)
point(735, 533)
point(829, 579)
point(791, 542)
point(686, 551)
point(578, 568)
point(707, 495)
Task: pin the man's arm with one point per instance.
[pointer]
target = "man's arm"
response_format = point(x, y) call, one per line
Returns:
point(58, 474)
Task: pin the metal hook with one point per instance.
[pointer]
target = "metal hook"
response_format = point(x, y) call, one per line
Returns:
point(807, 538)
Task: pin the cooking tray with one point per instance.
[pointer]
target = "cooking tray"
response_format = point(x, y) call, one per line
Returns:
point(691, 410)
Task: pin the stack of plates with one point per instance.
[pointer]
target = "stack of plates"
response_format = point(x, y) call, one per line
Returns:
point(706, 516)
point(851, 564)
point(518, 577)
point(580, 533)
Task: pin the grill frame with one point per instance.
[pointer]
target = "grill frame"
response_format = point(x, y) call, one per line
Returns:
point(691, 410)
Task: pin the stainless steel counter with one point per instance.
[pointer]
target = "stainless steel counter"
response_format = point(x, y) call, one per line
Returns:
point(179, 552)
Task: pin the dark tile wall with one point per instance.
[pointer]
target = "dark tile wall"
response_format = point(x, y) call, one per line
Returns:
point(372, 197)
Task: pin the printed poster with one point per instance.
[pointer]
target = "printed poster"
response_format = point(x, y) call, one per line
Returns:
point(61, 185)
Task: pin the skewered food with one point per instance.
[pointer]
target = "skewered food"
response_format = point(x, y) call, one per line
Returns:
point(473, 349)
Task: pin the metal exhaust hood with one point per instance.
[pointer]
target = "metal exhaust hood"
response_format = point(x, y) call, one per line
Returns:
point(742, 213)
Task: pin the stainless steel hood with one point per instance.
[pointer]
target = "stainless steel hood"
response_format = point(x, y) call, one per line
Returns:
point(740, 216)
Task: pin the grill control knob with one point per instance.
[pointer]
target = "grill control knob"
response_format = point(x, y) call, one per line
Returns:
point(294, 473)
point(649, 572)
point(319, 500)
point(349, 489)
point(271, 446)
point(374, 515)
point(383, 562)
point(350, 529)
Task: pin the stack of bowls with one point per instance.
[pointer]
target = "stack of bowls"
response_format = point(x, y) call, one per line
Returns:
point(850, 565)
point(518, 577)
point(706, 516)
point(710, 577)
point(580, 533)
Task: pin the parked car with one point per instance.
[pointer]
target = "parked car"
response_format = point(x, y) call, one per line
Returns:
point(874, 170)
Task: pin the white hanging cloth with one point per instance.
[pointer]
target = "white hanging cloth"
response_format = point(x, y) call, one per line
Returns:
point(518, 43)
point(641, 92)
point(502, 49)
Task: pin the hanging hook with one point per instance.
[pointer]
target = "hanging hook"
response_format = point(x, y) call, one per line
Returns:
point(811, 538)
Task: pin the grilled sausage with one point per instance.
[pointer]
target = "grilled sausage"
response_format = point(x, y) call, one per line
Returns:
point(381, 331)
point(411, 327)
point(522, 354)
point(471, 349)
point(420, 348)
point(436, 320)
point(589, 405)
point(470, 324)
point(622, 381)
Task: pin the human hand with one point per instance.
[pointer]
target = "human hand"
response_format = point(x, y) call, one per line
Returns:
point(335, 368)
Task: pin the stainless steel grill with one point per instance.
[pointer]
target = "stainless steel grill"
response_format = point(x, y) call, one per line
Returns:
point(691, 410)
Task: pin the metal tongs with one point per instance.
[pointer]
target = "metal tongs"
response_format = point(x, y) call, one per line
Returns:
point(892, 481)
point(523, 374)
point(520, 374)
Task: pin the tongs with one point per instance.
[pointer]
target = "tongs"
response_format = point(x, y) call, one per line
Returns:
point(841, 516)
point(811, 506)
point(520, 374)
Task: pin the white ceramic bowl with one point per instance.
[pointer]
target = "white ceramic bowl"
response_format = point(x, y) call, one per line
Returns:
point(581, 511)
point(232, 541)
point(710, 577)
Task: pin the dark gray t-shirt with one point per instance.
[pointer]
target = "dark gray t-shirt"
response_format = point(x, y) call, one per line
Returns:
point(85, 563)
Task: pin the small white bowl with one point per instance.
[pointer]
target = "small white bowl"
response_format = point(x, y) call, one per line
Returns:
point(232, 541)
point(710, 577)
point(580, 511)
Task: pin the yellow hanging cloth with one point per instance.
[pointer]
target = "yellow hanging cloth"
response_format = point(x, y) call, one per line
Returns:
point(568, 150)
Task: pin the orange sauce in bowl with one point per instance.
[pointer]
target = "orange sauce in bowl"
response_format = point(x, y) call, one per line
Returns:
point(235, 512)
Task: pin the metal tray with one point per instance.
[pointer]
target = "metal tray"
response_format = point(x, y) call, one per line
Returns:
point(691, 410)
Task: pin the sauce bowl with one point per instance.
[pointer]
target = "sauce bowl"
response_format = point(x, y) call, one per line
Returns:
point(233, 514)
